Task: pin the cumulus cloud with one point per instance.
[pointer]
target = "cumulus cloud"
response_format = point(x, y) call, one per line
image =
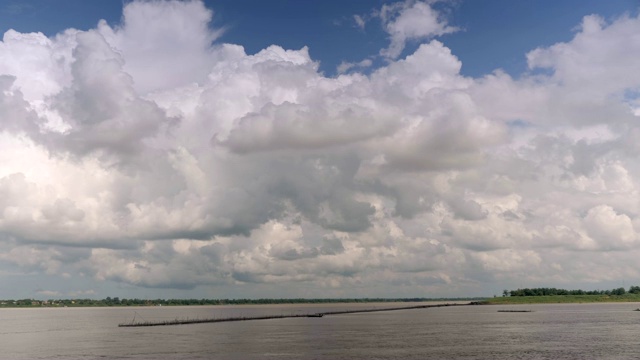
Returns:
point(611, 230)
point(410, 20)
point(159, 39)
point(587, 60)
point(140, 155)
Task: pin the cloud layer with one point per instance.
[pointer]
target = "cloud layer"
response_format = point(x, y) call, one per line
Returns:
point(155, 157)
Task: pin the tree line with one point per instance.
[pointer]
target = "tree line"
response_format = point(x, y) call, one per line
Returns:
point(554, 291)
point(116, 301)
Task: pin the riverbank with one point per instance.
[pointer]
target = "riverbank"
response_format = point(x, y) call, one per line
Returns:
point(561, 299)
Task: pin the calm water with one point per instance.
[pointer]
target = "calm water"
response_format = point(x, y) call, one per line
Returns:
point(576, 331)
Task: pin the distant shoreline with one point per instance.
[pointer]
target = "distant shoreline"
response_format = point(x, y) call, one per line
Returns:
point(561, 299)
point(505, 300)
point(116, 302)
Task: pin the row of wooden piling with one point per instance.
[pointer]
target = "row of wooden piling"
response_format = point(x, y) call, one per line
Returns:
point(269, 317)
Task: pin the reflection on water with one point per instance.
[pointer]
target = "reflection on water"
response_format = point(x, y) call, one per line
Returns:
point(567, 331)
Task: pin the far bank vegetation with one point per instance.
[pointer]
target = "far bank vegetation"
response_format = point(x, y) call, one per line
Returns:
point(554, 295)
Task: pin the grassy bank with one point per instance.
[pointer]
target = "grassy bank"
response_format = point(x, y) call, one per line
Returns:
point(562, 299)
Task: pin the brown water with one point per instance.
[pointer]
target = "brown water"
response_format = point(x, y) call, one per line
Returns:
point(571, 331)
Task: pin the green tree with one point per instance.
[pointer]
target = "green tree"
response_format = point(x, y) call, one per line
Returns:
point(618, 291)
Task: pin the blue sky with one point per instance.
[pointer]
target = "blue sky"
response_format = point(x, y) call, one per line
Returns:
point(154, 155)
point(494, 33)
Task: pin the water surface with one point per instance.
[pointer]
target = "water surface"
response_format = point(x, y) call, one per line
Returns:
point(563, 331)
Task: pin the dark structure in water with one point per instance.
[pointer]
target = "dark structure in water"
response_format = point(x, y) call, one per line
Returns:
point(246, 318)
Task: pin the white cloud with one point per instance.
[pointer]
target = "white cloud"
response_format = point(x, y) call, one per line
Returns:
point(346, 66)
point(159, 38)
point(40, 65)
point(205, 167)
point(587, 60)
point(411, 20)
point(611, 230)
point(360, 21)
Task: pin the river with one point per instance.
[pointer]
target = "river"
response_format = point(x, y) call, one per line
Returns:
point(563, 331)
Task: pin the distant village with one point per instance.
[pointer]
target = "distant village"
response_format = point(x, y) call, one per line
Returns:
point(73, 302)
point(100, 302)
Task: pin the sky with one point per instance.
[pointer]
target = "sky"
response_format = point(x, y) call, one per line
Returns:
point(250, 149)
